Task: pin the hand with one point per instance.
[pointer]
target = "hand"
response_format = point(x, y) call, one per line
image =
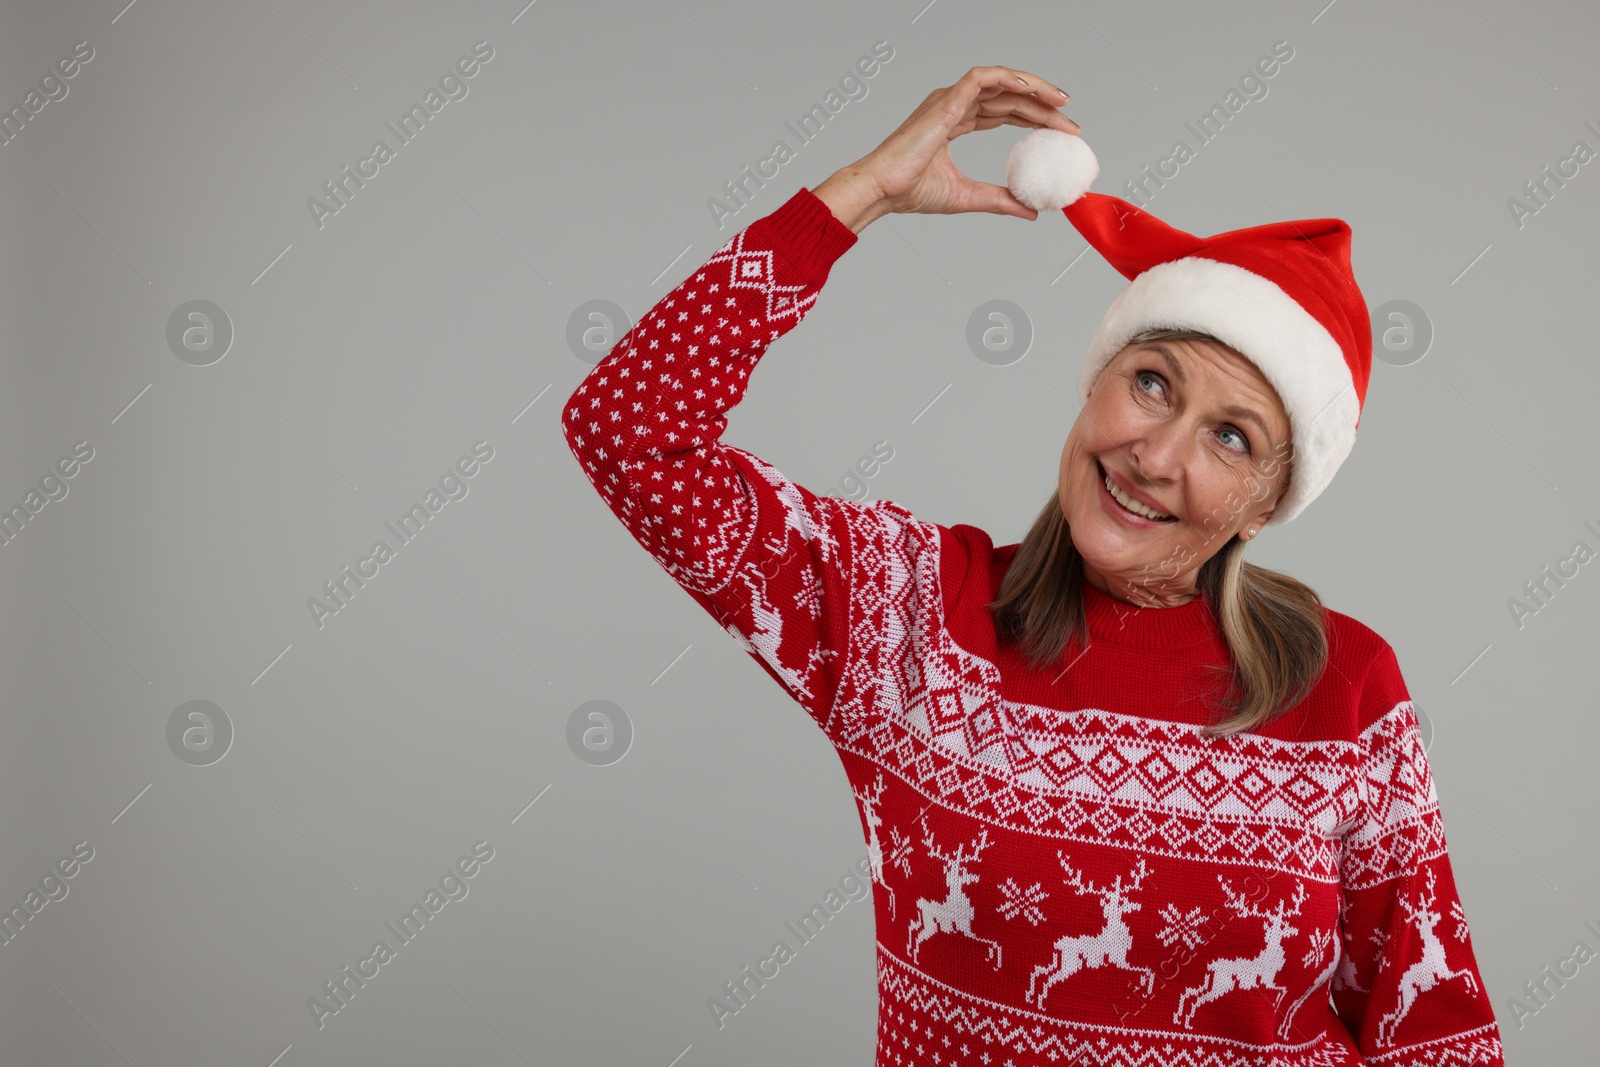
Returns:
point(912, 172)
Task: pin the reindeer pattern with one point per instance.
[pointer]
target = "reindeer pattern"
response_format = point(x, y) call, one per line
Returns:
point(1224, 976)
point(1427, 973)
point(900, 854)
point(1109, 947)
point(954, 913)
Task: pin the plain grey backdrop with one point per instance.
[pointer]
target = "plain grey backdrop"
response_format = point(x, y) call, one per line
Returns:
point(345, 361)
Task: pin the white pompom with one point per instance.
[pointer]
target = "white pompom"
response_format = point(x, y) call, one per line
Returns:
point(1049, 169)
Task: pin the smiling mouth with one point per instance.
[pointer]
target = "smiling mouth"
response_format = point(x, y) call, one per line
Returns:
point(1128, 503)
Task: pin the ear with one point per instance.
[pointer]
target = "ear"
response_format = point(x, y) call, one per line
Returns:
point(1257, 521)
point(1262, 517)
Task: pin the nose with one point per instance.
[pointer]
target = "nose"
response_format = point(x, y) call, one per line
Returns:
point(1162, 452)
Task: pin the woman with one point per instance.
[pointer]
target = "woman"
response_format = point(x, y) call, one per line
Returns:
point(1127, 798)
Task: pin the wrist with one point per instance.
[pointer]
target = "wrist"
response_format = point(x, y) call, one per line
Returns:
point(852, 198)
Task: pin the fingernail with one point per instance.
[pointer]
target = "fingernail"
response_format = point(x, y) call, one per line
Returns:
point(1020, 78)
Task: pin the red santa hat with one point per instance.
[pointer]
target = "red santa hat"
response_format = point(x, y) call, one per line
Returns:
point(1282, 294)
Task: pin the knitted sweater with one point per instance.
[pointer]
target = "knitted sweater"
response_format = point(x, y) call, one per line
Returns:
point(1065, 870)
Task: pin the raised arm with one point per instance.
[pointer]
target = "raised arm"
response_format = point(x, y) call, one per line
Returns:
point(775, 564)
point(766, 557)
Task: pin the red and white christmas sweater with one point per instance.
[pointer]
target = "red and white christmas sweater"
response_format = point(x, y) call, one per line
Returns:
point(1065, 870)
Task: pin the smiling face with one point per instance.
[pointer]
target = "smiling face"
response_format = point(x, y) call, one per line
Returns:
point(1188, 429)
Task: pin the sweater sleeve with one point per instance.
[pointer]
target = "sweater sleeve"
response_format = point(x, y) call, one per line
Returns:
point(776, 565)
point(1408, 986)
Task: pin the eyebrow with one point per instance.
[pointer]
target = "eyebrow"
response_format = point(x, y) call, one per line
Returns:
point(1232, 409)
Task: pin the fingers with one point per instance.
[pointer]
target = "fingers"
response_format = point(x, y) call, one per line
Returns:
point(985, 122)
point(993, 91)
point(995, 199)
point(1012, 80)
point(1034, 84)
point(1005, 105)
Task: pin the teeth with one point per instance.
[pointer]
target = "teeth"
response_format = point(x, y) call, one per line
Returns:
point(1131, 504)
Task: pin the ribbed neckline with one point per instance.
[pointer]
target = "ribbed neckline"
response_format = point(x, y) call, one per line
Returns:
point(1118, 622)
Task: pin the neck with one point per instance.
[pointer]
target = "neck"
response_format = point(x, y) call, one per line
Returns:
point(1125, 622)
point(1144, 592)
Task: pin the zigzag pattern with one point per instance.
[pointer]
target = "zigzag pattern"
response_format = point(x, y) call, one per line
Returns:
point(1022, 832)
point(1308, 850)
point(1403, 826)
point(921, 1020)
point(1479, 1045)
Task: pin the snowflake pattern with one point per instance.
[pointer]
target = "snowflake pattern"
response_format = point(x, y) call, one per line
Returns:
point(809, 597)
point(838, 625)
point(900, 852)
point(1381, 938)
point(1182, 926)
point(1320, 940)
point(1024, 902)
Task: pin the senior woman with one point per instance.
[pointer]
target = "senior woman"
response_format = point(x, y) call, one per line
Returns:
point(1127, 799)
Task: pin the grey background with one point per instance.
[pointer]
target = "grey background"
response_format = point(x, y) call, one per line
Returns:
point(369, 354)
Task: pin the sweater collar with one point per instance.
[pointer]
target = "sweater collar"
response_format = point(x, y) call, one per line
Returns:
point(1118, 622)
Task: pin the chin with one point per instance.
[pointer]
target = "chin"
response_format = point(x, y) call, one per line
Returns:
point(1111, 556)
point(1109, 548)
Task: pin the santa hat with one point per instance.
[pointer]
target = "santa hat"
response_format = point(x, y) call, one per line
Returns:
point(1282, 294)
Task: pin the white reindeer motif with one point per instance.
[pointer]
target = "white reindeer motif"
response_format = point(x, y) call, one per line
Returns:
point(953, 913)
point(1253, 972)
point(1427, 972)
point(1321, 941)
point(1345, 976)
point(1108, 948)
point(766, 634)
point(795, 516)
point(766, 631)
point(869, 807)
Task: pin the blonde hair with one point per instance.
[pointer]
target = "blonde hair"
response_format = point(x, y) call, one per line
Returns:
point(1272, 624)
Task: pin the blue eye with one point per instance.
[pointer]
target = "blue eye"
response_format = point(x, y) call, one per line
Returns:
point(1244, 440)
point(1235, 431)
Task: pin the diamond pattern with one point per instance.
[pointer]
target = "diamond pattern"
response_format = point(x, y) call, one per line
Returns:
point(965, 789)
point(983, 727)
point(1252, 785)
point(1206, 781)
point(1110, 767)
point(1157, 774)
point(1305, 790)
